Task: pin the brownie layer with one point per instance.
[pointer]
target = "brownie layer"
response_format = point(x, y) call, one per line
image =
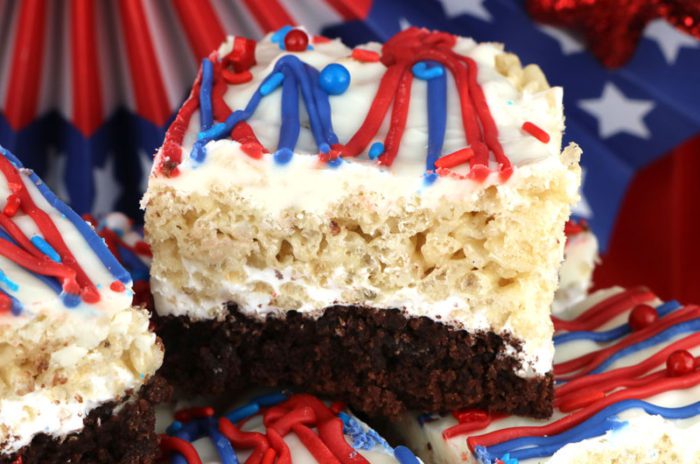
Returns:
point(380, 362)
point(113, 433)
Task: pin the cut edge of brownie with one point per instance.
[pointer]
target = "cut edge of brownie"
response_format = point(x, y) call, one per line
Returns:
point(379, 361)
point(115, 432)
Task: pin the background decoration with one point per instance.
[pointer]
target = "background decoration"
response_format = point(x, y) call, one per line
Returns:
point(87, 89)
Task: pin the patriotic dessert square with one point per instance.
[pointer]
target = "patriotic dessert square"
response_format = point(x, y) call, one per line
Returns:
point(627, 391)
point(271, 427)
point(77, 361)
point(382, 225)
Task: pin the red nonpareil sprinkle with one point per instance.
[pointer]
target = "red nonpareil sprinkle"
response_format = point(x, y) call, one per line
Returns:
point(455, 159)
point(680, 363)
point(12, 205)
point(117, 286)
point(536, 132)
point(296, 40)
point(172, 444)
point(365, 56)
point(642, 315)
point(188, 414)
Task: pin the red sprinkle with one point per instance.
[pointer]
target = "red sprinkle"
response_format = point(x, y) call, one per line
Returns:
point(680, 363)
point(12, 205)
point(455, 159)
point(117, 286)
point(642, 316)
point(186, 415)
point(365, 56)
point(536, 132)
point(319, 39)
point(169, 444)
point(296, 40)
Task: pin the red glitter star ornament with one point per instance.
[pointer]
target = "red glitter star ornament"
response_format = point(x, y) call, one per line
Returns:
point(613, 27)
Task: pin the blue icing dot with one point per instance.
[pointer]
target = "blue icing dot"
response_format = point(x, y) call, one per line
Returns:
point(334, 79)
point(429, 178)
point(173, 428)
point(283, 156)
point(324, 148)
point(376, 150)
point(422, 71)
point(335, 162)
point(70, 300)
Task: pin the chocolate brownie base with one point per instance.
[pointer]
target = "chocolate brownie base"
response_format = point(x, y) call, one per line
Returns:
point(127, 437)
point(380, 362)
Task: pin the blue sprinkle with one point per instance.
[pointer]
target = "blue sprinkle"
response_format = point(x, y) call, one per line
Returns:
point(279, 35)
point(270, 400)
point(45, 248)
point(222, 445)
point(283, 156)
point(173, 428)
point(243, 412)
point(510, 102)
point(324, 148)
point(376, 150)
point(9, 283)
point(70, 300)
point(334, 79)
point(335, 162)
point(272, 82)
point(423, 72)
point(405, 455)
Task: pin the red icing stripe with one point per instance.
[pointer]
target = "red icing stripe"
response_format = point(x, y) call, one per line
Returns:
point(72, 275)
point(173, 444)
point(245, 440)
point(87, 93)
point(588, 362)
point(605, 311)
point(201, 24)
point(281, 449)
point(561, 425)
point(301, 415)
point(22, 97)
point(323, 413)
point(331, 432)
point(146, 80)
point(314, 444)
point(399, 116)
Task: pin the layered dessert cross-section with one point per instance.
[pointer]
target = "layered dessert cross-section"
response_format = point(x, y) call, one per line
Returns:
point(77, 361)
point(382, 225)
point(628, 385)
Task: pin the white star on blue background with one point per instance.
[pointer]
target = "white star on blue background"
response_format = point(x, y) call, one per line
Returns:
point(617, 113)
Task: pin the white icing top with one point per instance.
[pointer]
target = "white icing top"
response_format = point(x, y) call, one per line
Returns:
point(58, 361)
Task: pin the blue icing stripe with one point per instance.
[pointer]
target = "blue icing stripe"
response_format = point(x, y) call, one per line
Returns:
point(205, 111)
point(437, 117)
point(137, 268)
point(692, 325)
point(614, 333)
point(271, 83)
point(88, 234)
point(45, 248)
point(243, 412)
point(9, 283)
point(405, 455)
point(271, 399)
point(324, 108)
point(223, 447)
point(289, 127)
point(597, 425)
